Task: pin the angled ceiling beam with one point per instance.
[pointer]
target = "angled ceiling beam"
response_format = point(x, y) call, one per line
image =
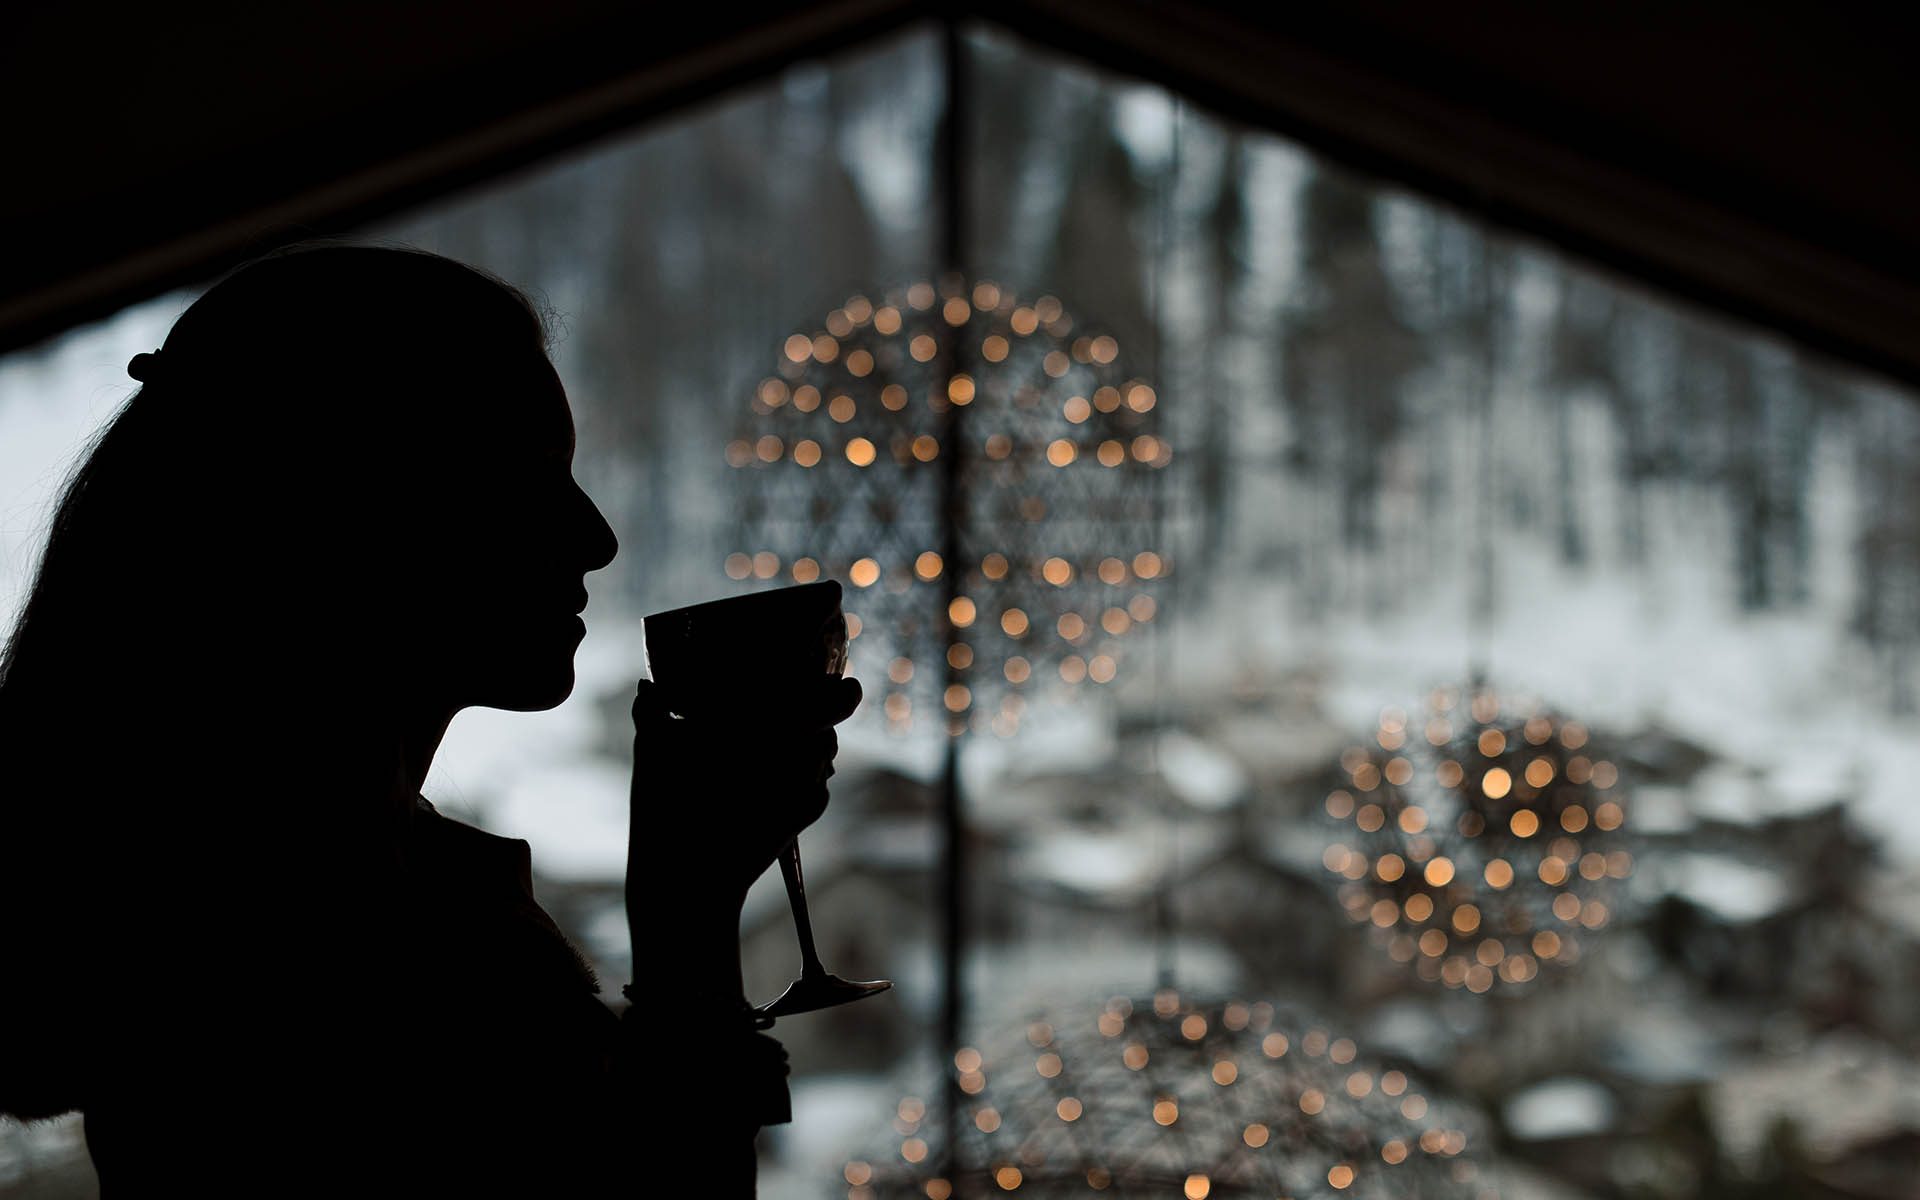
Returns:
point(149, 147)
point(1761, 160)
point(1755, 159)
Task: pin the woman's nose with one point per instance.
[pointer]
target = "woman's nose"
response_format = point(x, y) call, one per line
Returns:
point(598, 543)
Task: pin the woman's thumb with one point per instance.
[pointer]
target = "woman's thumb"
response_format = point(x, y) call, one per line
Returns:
point(650, 704)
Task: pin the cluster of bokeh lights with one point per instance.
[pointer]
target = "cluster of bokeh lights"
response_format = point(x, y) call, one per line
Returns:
point(1168, 1097)
point(1480, 843)
point(960, 416)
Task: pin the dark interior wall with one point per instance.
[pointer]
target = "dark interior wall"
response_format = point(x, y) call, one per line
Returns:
point(151, 145)
point(1757, 158)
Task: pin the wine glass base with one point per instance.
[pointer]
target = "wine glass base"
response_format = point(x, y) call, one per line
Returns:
point(810, 993)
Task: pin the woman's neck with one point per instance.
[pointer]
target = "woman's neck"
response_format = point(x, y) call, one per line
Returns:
point(421, 729)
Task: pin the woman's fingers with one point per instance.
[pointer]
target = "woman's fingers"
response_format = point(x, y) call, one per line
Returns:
point(649, 703)
point(740, 784)
point(834, 701)
point(847, 698)
point(810, 808)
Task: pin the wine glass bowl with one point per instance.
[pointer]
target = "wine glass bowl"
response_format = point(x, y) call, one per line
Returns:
point(732, 659)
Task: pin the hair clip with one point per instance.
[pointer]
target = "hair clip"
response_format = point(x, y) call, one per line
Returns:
point(143, 367)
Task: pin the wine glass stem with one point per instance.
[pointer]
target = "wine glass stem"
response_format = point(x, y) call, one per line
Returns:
point(797, 899)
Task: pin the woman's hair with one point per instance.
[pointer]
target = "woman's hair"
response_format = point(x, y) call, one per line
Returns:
point(210, 579)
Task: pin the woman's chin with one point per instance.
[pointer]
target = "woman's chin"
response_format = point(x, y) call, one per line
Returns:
point(532, 690)
point(533, 702)
point(526, 674)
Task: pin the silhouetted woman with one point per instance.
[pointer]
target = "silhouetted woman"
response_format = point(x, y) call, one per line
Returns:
point(341, 509)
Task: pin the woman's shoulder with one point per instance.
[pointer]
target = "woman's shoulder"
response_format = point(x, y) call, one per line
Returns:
point(442, 844)
point(483, 882)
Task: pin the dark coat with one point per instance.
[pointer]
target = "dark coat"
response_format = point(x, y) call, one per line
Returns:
point(444, 1039)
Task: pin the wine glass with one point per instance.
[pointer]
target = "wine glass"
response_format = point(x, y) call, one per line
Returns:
point(712, 660)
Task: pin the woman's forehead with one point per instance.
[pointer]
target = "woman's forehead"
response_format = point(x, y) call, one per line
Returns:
point(554, 415)
point(526, 404)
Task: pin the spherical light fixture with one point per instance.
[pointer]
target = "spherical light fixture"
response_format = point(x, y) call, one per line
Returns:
point(983, 475)
point(1481, 838)
point(1167, 1096)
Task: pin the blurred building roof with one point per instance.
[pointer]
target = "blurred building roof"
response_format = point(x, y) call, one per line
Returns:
point(1756, 158)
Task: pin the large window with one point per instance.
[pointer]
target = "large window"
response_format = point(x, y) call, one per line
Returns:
point(1453, 530)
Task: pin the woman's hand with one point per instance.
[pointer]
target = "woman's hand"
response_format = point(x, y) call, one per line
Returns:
point(714, 801)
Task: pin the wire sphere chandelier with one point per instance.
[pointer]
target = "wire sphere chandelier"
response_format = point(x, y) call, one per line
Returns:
point(1482, 838)
point(1171, 1097)
point(983, 475)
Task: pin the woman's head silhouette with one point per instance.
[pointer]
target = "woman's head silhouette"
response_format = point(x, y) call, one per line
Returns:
point(340, 509)
point(349, 462)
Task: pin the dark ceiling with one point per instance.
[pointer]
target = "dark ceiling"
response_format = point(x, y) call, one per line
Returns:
point(1759, 159)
